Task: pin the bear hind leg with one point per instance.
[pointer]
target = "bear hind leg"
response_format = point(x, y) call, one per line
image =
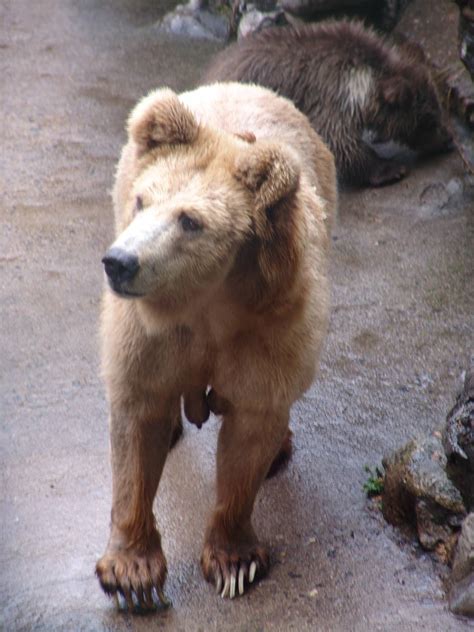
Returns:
point(177, 429)
point(283, 456)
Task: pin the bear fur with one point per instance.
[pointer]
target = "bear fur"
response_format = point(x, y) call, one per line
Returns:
point(224, 200)
point(366, 95)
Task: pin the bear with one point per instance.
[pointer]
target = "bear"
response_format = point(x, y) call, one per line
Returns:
point(217, 292)
point(370, 98)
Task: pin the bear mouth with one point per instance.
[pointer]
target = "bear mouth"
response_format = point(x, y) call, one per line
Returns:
point(122, 293)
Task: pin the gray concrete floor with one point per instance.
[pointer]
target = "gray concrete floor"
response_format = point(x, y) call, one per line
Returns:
point(400, 334)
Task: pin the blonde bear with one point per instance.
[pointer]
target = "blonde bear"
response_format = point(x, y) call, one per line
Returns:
point(218, 294)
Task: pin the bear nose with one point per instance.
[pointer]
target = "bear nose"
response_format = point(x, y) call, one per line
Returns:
point(120, 265)
point(448, 142)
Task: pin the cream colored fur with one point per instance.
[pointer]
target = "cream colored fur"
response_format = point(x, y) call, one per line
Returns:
point(240, 305)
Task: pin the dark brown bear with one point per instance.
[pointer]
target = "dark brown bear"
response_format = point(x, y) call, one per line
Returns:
point(365, 95)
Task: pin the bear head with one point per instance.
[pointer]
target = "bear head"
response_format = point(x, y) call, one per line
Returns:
point(406, 108)
point(198, 198)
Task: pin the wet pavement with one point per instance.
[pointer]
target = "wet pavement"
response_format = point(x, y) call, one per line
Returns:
point(400, 336)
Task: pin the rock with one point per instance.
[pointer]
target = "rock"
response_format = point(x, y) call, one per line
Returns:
point(458, 436)
point(435, 526)
point(438, 199)
point(434, 197)
point(390, 12)
point(466, 34)
point(262, 5)
point(417, 490)
point(461, 595)
point(463, 563)
point(311, 8)
point(254, 20)
point(197, 20)
point(384, 12)
point(222, 19)
point(458, 440)
point(429, 483)
point(459, 94)
point(461, 598)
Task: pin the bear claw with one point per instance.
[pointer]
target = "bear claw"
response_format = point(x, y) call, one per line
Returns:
point(163, 598)
point(233, 583)
point(132, 601)
point(236, 584)
point(226, 588)
point(241, 581)
point(253, 569)
point(134, 580)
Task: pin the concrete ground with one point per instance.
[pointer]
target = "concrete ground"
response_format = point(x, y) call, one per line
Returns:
point(401, 330)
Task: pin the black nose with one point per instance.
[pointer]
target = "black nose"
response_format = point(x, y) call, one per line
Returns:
point(449, 144)
point(445, 140)
point(120, 265)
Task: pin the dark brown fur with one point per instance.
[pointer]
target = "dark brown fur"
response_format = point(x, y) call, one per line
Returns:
point(323, 69)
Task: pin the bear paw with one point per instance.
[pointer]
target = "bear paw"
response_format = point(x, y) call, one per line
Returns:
point(386, 172)
point(232, 571)
point(138, 576)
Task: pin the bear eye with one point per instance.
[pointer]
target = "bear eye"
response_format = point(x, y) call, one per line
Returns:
point(188, 224)
point(139, 203)
point(427, 122)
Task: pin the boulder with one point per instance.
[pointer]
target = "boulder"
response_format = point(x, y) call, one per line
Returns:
point(458, 440)
point(417, 490)
point(197, 20)
point(466, 34)
point(254, 20)
point(458, 436)
point(311, 8)
point(461, 594)
point(384, 13)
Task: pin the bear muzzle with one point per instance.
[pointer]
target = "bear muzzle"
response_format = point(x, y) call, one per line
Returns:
point(121, 267)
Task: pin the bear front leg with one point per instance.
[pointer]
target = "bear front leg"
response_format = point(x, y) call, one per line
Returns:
point(383, 172)
point(248, 443)
point(365, 167)
point(134, 564)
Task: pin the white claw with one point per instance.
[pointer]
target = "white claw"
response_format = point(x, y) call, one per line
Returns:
point(252, 571)
point(241, 581)
point(233, 581)
point(226, 588)
point(218, 582)
point(164, 600)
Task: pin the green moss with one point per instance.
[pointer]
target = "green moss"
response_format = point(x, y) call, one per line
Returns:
point(374, 484)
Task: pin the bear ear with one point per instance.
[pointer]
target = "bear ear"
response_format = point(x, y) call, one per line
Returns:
point(161, 119)
point(248, 137)
point(397, 92)
point(269, 170)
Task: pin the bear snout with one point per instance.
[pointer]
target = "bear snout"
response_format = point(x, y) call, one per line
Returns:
point(445, 140)
point(120, 266)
